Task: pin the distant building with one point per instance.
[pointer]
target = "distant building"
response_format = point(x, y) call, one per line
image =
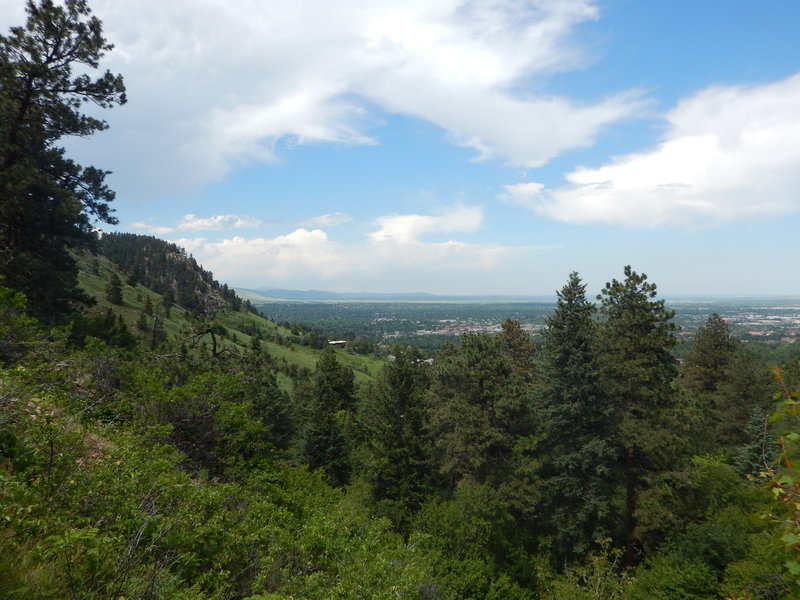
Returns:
point(338, 343)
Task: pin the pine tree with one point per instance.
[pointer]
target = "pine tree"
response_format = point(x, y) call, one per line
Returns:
point(47, 202)
point(519, 347)
point(760, 448)
point(704, 368)
point(580, 473)
point(395, 422)
point(637, 369)
point(323, 405)
point(747, 385)
point(481, 411)
point(114, 289)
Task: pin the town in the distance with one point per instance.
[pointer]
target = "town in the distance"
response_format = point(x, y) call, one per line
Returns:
point(429, 321)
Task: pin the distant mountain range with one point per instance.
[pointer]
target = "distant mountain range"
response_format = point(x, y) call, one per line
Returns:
point(271, 294)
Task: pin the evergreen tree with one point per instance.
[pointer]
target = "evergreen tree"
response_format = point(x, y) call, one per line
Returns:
point(705, 366)
point(580, 473)
point(747, 385)
point(271, 406)
point(481, 415)
point(637, 369)
point(323, 405)
point(395, 423)
point(114, 289)
point(519, 347)
point(47, 201)
point(760, 449)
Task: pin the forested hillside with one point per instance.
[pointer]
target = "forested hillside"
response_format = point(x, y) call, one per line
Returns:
point(593, 466)
point(160, 440)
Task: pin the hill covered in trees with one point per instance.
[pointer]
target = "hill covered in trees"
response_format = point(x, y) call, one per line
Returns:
point(158, 439)
point(593, 466)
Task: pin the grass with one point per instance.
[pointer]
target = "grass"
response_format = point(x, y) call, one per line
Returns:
point(96, 271)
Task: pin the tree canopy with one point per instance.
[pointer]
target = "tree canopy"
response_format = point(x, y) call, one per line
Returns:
point(47, 201)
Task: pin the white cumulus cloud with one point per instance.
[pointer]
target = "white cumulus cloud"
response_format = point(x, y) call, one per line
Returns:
point(150, 228)
point(407, 228)
point(393, 256)
point(729, 152)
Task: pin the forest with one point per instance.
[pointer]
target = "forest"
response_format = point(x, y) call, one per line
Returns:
point(160, 439)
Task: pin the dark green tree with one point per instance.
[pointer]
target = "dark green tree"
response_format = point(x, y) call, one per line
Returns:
point(394, 419)
point(47, 201)
point(271, 406)
point(334, 383)
point(323, 405)
point(16, 327)
point(637, 368)
point(705, 366)
point(580, 473)
point(519, 347)
point(482, 419)
point(114, 289)
point(747, 385)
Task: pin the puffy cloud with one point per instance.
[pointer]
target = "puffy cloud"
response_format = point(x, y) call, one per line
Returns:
point(391, 258)
point(217, 85)
point(193, 223)
point(729, 152)
point(407, 228)
point(301, 251)
point(329, 220)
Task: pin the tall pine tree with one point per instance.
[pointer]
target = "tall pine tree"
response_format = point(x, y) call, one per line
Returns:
point(483, 422)
point(323, 405)
point(394, 417)
point(47, 201)
point(580, 473)
point(637, 367)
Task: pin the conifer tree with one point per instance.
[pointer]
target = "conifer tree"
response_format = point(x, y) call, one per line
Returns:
point(481, 411)
point(395, 422)
point(760, 449)
point(323, 406)
point(47, 202)
point(705, 366)
point(519, 347)
point(580, 474)
point(747, 385)
point(114, 289)
point(637, 369)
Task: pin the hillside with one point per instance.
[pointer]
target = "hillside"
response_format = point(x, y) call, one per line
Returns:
point(154, 450)
point(168, 301)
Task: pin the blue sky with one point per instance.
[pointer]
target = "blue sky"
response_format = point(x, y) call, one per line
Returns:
point(460, 147)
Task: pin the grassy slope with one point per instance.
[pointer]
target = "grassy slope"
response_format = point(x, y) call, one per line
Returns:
point(94, 281)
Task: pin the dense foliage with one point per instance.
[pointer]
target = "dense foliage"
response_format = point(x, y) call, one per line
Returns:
point(181, 472)
point(169, 443)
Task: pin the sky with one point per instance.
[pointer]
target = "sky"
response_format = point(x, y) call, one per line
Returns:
point(459, 147)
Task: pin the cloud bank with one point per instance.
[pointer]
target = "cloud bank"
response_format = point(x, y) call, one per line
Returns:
point(393, 254)
point(192, 222)
point(214, 86)
point(729, 152)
